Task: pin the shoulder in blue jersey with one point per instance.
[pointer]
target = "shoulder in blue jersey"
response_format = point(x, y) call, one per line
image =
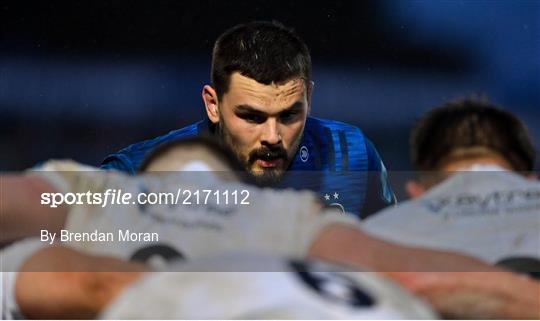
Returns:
point(334, 159)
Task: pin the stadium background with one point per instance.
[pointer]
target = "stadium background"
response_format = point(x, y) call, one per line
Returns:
point(81, 79)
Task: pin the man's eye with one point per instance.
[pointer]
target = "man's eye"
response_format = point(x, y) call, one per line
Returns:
point(287, 117)
point(251, 118)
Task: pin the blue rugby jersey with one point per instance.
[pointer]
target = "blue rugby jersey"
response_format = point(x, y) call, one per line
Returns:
point(334, 159)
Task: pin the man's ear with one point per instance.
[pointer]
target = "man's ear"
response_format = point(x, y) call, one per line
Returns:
point(210, 99)
point(414, 188)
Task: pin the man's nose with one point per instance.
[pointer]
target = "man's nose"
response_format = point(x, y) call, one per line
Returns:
point(271, 134)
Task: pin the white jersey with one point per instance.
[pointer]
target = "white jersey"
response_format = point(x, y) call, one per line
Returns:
point(490, 215)
point(278, 222)
point(294, 290)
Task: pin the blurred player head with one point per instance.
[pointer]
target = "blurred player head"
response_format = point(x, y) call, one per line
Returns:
point(194, 155)
point(260, 95)
point(469, 134)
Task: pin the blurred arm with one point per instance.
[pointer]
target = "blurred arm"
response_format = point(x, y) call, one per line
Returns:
point(478, 295)
point(456, 285)
point(58, 282)
point(21, 212)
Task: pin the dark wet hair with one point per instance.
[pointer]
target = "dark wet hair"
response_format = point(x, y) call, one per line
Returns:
point(468, 124)
point(267, 52)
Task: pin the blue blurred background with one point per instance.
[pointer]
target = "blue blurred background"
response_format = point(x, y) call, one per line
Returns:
point(81, 79)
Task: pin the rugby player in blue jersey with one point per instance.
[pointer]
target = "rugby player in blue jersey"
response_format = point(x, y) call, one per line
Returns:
point(258, 105)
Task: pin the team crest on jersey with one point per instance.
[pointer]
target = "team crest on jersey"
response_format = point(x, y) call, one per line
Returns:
point(304, 154)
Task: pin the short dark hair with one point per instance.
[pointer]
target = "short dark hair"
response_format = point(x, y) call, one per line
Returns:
point(267, 52)
point(468, 124)
point(210, 144)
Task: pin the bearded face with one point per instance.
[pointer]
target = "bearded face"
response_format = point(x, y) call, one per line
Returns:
point(263, 124)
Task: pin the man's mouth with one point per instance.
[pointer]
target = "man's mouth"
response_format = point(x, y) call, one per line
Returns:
point(268, 159)
point(270, 163)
